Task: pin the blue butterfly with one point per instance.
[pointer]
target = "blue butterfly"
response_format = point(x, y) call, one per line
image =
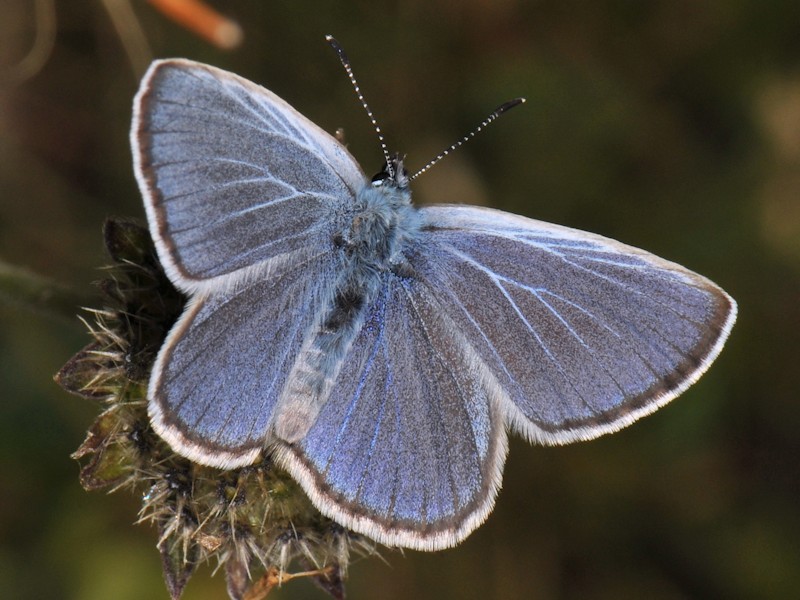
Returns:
point(379, 351)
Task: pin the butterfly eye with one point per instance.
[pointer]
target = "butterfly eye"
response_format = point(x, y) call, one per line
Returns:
point(393, 172)
point(380, 177)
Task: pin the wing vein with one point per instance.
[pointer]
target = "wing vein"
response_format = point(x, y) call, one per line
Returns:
point(359, 388)
point(448, 369)
point(499, 285)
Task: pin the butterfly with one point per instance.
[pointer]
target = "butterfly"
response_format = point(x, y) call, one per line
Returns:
point(381, 353)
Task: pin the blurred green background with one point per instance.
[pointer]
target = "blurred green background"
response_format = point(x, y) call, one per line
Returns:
point(672, 125)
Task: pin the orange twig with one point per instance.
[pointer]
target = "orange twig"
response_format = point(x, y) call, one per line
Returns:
point(203, 20)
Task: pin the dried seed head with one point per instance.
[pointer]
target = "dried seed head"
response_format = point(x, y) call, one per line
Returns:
point(254, 520)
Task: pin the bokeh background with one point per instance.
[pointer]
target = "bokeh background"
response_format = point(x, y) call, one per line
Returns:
point(673, 125)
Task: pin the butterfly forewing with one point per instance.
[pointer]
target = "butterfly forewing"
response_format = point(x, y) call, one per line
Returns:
point(583, 333)
point(232, 176)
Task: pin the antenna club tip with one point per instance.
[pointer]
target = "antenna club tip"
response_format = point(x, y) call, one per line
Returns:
point(332, 41)
point(509, 105)
point(338, 49)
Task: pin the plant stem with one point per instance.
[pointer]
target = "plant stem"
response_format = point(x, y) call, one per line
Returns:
point(21, 287)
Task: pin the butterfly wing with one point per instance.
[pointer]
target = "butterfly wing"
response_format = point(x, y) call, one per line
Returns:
point(232, 176)
point(243, 195)
point(497, 319)
point(218, 376)
point(583, 334)
point(409, 446)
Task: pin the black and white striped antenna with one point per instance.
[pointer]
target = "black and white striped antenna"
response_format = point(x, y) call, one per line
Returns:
point(496, 113)
point(349, 70)
point(506, 106)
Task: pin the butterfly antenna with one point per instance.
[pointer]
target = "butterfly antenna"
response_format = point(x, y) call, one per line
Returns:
point(349, 70)
point(506, 106)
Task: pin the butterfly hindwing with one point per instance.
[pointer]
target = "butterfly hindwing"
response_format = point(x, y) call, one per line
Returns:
point(218, 376)
point(409, 446)
point(583, 333)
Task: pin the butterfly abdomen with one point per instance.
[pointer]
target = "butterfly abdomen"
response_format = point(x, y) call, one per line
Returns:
point(371, 246)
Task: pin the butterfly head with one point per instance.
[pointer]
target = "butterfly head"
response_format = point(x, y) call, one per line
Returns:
point(393, 174)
